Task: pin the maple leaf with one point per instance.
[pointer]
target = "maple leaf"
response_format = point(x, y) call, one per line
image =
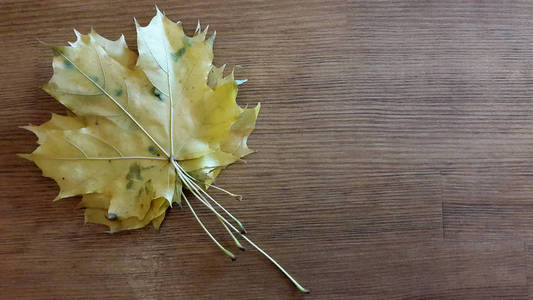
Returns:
point(144, 126)
point(133, 113)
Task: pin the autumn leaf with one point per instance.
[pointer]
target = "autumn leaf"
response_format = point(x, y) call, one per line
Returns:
point(132, 113)
point(143, 127)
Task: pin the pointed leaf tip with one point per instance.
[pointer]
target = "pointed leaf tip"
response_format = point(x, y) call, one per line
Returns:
point(242, 81)
point(198, 27)
point(211, 39)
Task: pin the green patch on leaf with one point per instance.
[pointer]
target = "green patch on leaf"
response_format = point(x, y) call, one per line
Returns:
point(176, 55)
point(68, 64)
point(157, 93)
point(187, 42)
point(135, 172)
point(153, 150)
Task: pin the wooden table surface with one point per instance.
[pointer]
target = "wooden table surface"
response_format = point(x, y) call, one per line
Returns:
point(394, 155)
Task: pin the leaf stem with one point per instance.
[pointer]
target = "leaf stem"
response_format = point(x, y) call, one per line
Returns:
point(199, 189)
point(226, 251)
point(237, 243)
point(181, 175)
point(301, 288)
point(235, 240)
point(236, 196)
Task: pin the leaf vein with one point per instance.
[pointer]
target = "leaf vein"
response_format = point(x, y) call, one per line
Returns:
point(117, 103)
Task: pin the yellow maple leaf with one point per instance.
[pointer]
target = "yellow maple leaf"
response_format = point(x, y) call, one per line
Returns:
point(144, 126)
point(132, 114)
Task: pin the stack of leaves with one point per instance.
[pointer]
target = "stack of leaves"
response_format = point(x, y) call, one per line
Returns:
point(143, 126)
point(132, 114)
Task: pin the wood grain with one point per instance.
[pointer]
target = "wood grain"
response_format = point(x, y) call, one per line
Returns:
point(394, 155)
